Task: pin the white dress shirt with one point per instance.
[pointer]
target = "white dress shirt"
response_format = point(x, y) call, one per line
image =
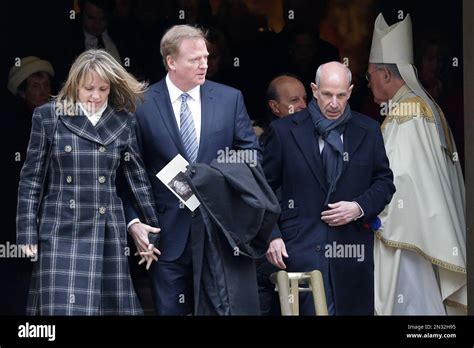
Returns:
point(194, 104)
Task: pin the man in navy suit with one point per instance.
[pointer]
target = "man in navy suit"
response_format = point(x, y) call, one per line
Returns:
point(334, 175)
point(183, 114)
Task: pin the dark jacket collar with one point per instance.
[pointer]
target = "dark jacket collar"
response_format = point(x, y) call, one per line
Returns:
point(305, 136)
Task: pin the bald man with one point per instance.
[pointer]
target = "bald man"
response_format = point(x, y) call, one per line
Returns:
point(333, 172)
point(286, 95)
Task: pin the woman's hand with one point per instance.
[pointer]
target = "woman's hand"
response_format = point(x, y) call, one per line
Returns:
point(29, 250)
point(139, 232)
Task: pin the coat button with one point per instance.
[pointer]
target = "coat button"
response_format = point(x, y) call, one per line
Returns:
point(101, 179)
point(68, 148)
point(101, 149)
point(318, 247)
point(102, 210)
point(193, 214)
point(68, 179)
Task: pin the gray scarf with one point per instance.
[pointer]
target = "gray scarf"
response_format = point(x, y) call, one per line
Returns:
point(333, 151)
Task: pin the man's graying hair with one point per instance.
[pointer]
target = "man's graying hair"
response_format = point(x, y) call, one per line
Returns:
point(318, 75)
point(170, 42)
point(390, 67)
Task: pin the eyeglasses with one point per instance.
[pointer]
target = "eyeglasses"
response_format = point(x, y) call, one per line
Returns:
point(367, 74)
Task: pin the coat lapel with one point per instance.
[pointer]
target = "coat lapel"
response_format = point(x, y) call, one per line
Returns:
point(305, 137)
point(109, 127)
point(207, 117)
point(353, 136)
point(165, 110)
point(81, 126)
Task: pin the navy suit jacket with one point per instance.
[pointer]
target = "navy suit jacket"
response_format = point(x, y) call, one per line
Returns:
point(293, 163)
point(224, 123)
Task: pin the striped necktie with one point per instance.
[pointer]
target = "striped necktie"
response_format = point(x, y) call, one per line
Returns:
point(187, 130)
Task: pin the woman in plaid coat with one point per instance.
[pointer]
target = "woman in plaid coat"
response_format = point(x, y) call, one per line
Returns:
point(68, 209)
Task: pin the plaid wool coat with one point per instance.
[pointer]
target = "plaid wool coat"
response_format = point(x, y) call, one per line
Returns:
point(82, 266)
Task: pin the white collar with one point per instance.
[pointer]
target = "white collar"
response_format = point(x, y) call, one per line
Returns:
point(95, 114)
point(175, 92)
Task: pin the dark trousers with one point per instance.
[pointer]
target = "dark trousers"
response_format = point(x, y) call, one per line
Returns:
point(172, 284)
point(307, 302)
point(269, 300)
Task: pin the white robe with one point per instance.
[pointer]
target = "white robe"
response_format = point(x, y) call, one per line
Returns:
point(420, 249)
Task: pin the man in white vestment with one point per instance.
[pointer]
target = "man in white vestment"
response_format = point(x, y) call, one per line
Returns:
point(420, 248)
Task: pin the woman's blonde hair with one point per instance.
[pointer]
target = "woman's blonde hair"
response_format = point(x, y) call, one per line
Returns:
point(124, 88)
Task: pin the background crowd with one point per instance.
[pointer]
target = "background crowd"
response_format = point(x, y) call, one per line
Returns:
point(250, 43)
